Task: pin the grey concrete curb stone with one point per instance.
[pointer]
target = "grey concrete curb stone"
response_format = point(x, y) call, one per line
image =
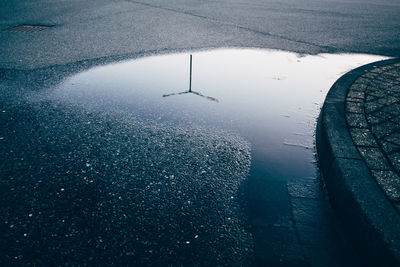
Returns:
point(370, 219)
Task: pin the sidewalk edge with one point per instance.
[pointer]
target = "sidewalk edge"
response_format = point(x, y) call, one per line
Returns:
point(369, 218)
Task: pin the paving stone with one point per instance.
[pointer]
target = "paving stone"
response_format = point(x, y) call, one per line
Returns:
point(389, 182)
point(375, 92)
point(374, 158)
point(384, 68)
point(354, 107)
point(389, 147)
point(395, 160)
point(395, 119)
point(373, 106)
point(394, 138)
point(369, 76)
point(362, 137)
point(360, 85)
point(389, 78)
point(383, 115)
point(384, 129)
point(359, 100)
point(356, 94)
point(393, 88)
point(396, 88)
point(380, 89)
point(372, 119)
point(378, 117)
point(356, 120)
point(376, 70)
point(370, 97)
point(380, 80)
point(393, 109)
point(387, 100)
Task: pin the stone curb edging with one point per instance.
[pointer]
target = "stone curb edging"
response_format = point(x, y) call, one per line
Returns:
point(369, 218)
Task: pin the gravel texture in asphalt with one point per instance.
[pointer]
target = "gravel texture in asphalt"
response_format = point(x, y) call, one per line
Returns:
point(87, 188)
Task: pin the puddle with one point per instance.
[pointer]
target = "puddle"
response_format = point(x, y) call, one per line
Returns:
point(148, 170)
point(270, 98)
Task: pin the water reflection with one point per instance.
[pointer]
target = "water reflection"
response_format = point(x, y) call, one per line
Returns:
point(190, 87)
point(271, 98)
point(195, 93)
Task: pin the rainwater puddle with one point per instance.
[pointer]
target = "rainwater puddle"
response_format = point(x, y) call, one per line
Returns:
point(270, 98)
point(181, 155)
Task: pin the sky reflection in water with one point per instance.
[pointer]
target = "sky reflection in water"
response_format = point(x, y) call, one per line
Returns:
point(271, 98)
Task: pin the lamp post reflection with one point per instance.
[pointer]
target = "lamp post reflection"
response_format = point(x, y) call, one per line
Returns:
point(190, 88)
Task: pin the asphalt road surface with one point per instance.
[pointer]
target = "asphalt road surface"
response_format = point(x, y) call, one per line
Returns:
point(65, 193)
point(94, 29)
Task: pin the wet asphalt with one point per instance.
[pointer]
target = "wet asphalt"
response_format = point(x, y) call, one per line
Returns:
point(73, 187)
point(84, 188)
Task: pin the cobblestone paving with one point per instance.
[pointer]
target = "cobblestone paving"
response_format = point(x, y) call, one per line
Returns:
point(373, 117)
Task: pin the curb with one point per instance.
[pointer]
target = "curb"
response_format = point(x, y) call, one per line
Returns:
point(370, 220)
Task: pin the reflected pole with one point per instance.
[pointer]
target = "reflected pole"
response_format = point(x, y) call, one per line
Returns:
point(190, 88)
point(190, 82)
